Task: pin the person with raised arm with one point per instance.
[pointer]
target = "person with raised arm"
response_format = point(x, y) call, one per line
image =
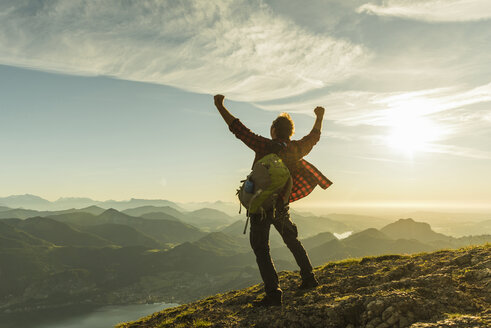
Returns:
point(305, 177)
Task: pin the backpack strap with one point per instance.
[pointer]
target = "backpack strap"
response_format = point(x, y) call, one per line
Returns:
point(277, 147)
point(274, 200)
point(245, 227)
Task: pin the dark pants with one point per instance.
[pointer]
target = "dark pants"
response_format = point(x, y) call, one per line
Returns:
point(259, 238)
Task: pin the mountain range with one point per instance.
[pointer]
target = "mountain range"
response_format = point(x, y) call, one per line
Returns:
point(453, 224)
point(28, 201)
point(153, 253)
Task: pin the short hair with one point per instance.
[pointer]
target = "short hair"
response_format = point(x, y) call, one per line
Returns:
point(284, 126)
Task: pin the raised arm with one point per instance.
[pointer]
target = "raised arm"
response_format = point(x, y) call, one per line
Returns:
point(227, 117)
point(252, 140)
point(306, 144)
point(319, 113)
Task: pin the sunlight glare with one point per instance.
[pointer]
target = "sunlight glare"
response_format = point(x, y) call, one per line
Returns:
point(411, 130)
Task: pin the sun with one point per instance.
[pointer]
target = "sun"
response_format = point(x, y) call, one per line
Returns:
point(411, 131)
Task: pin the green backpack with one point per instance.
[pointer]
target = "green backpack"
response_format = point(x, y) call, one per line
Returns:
point(269, 180)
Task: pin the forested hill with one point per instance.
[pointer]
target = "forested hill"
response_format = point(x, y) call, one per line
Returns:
point(448, 288)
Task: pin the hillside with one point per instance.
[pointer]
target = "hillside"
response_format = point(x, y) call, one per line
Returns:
point(448, 288)
point(114, 258)
point(122, 235)
point(143, 210)
point(222, 244)
point(410, 229)
point(208, 219)
point(165, 231)
point(56, 232)
point(365, 243)
point(11, 237)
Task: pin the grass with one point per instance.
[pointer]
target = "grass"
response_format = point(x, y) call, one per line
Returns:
point(197, 323)
point(454, 315)
point(342, 298)
point(166, 322)
point(201, 323)
point(185, 313)
point(345, 263)
point(345, 283)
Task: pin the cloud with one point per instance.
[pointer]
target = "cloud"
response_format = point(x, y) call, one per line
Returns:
point(434, 101)
point(459, 151)
point(355, 108)
point(445, 112)
point(240, 48)
point(432, 10)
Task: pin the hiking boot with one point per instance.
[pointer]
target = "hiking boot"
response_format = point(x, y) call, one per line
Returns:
point(309, 283)
point(268, 300)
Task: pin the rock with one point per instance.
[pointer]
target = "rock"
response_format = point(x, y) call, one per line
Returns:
point(393, 319)
point(403, 322)
point(375, 322)
point(463, 260)
point(376, 307)
point(481, 274)
point(388, 313)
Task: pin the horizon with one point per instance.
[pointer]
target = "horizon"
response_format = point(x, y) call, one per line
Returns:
point(382, 210)
point(117, 102)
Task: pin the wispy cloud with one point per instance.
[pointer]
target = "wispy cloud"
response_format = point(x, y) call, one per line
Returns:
point(372, 108)
point(443, 113)
point(382, 159)
point(240, 48)
point(434, 101)
point(432, 10)
point(460, 151)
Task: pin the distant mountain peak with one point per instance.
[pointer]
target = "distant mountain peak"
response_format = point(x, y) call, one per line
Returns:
point(91, 207)
point(410, 229)
point(207, 209)
point(369, 232)
point(111, 211)
point(409, 222)
point(25, 196)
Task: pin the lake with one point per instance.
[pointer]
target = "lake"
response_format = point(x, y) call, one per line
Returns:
point(82, 317)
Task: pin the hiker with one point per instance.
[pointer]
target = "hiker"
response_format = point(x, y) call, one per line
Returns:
point(304, 179)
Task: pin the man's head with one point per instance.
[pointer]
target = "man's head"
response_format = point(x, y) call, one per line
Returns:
point(282, 127)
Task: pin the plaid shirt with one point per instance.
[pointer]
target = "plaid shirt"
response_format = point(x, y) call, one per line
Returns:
point(304, 175)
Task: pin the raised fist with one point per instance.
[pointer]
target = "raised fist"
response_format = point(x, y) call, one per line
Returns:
point(219, 99)
point(319, 111)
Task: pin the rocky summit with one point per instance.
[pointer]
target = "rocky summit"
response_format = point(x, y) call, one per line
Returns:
point(447, 288)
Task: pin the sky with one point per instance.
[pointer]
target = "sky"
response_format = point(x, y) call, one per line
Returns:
point(113, 99)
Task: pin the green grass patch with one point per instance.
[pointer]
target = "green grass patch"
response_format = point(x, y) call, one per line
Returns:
point(201, 323)
point(166, 323)
point(345, 263)
point(185, 313)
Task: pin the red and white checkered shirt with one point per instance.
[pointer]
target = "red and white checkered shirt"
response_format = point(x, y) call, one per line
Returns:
point(305, 176)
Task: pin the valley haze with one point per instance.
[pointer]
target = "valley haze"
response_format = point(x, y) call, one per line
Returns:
point(145, 251)
point(152, 251)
